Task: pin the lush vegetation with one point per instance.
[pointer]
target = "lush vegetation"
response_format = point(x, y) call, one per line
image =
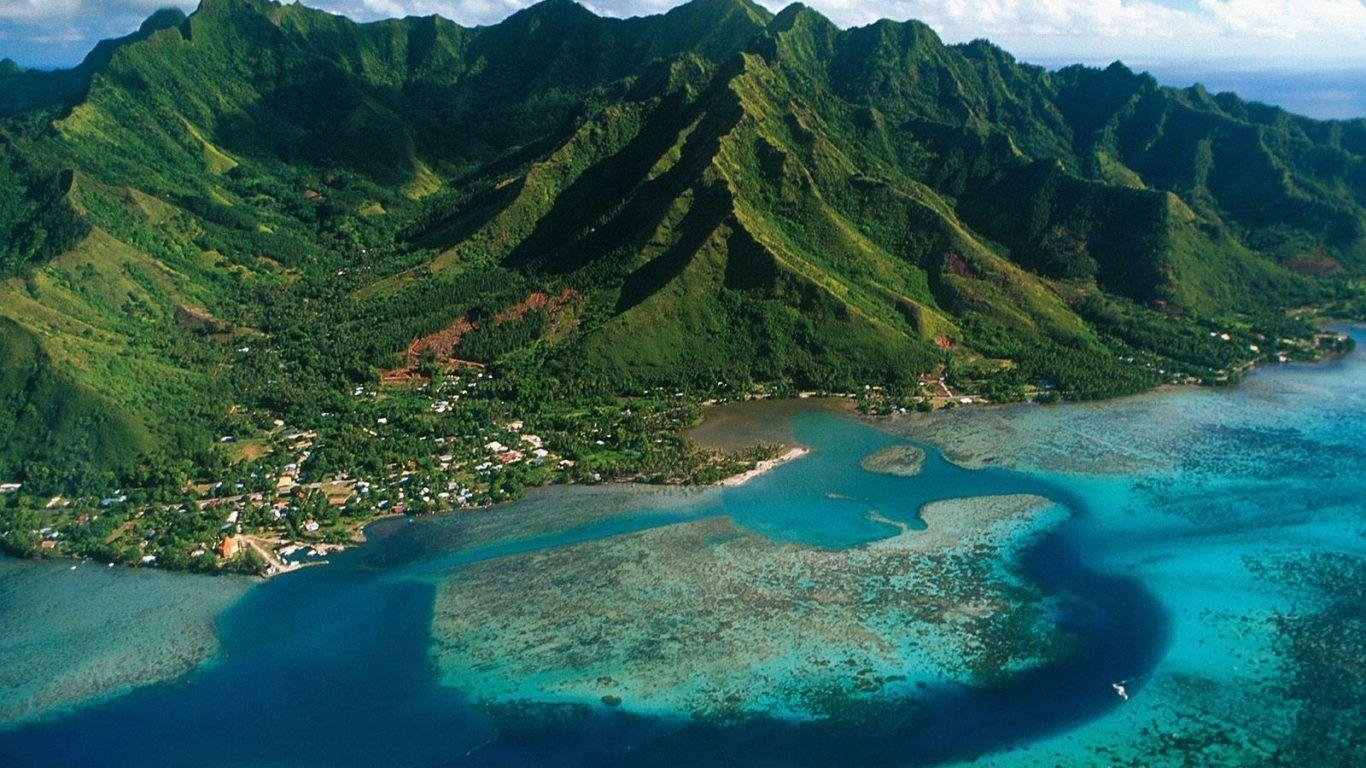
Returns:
point(248, 215)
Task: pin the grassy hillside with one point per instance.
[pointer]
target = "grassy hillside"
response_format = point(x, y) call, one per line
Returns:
point(243, 214)
point(57, 433)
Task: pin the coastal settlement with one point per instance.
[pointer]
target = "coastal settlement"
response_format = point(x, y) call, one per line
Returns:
point(287, 496)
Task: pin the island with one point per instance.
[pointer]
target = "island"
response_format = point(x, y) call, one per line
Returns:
point(237, 325)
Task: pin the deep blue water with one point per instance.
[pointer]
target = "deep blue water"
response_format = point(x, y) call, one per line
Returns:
point(332, 665)
point(1324, 92)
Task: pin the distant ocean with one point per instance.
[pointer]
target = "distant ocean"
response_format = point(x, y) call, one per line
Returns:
point(1337, 93)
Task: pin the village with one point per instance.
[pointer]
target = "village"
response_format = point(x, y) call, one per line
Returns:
point(291, 496)
point(279, 509)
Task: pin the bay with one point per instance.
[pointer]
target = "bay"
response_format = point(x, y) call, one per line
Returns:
point(1201, 549)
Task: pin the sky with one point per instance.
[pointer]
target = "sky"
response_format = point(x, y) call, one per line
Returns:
point(1239, 40)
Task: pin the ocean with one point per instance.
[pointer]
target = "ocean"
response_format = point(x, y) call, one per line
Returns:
point(1323, 91)
point(1168, 579)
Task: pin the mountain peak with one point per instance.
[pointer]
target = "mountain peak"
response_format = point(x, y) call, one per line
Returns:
point(100, 56)
point(230, 5)
point(545, 7)
point(747, 6)
point(798, 14)
point(164, 18)
point(837, 206)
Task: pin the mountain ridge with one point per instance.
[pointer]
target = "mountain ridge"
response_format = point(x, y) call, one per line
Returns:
point(728, 194)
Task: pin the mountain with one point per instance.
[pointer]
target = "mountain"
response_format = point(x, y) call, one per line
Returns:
point(714, 194)
point(22, 89)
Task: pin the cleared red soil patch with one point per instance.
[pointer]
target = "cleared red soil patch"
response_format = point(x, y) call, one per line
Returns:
point(441, 345)
point(445, 343)
point(1317, 264)
point(195, 317)
point(537, 300)
point(960, 267)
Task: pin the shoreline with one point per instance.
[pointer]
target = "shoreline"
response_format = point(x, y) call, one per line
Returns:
point(275, 552)
point(841, 402)
point(734, 481)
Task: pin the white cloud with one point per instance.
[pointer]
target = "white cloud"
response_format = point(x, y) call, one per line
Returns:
point(1153, 27)
point(23, 10)
point(72, 10)
point(1291, 19)
point(1093, 30)
point(1273, 31)
point(61, 32)
point(463, 11)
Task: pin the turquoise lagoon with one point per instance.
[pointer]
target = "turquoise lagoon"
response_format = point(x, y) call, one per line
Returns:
point(1204, 549)
point(84, 632)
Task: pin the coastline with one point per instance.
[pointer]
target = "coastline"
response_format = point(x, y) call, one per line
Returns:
point(1195, 666)
point(743, 423)
point(845, 403)
point(278, 567)
point(761, 467)
point(949, 430)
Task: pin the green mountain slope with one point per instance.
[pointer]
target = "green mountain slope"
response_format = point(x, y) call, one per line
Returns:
point(22, 90)
point(714, 194)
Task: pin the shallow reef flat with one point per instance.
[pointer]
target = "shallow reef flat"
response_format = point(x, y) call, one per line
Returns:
point(898, 460)
point(1214, 564)
point(706, 619)
point(428, 548)
point(1248, 525)
point(1290, 420)
point(1135, 435)
point(1251, 684)
point(73, 636)
point(998, 523)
